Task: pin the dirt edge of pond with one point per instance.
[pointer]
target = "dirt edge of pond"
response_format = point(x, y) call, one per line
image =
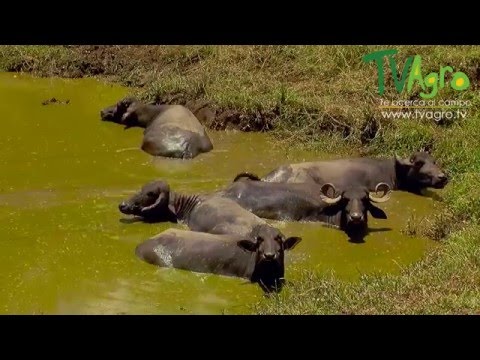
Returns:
point(193, 76)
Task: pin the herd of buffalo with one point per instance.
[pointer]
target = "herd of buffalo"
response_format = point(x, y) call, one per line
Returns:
point(228, 233)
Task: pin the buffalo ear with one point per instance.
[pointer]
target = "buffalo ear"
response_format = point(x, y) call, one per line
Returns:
point(247, 245)
point(376, 212)
point(291, 242)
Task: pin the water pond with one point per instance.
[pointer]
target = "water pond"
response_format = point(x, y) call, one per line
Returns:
point(64, 248)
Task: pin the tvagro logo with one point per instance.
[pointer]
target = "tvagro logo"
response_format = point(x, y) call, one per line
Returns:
point(413, 71)
point(411, 76)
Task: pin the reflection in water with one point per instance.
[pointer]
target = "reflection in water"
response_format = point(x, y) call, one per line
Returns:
point(66, 249)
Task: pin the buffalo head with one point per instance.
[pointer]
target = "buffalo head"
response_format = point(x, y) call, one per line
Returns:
point(151, 202)
point(114, 113)
point(353, 204)
point(269, 246)
point(140, 114)
point(420, 171)
point(131, 116)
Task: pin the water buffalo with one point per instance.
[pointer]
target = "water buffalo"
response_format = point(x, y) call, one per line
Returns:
point(414, 174)
point(309, 202)
point(260, 260)
point(208, 213)
point(276, 201)
point(170, 130)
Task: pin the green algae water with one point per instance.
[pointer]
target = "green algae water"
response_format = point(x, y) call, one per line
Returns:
point(66, 249)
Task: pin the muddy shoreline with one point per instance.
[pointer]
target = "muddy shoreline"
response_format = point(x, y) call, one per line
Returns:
point(142, 67)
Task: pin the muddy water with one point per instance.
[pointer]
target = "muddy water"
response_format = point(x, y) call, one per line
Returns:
point(64, 247)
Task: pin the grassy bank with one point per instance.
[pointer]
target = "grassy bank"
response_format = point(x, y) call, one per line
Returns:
point(323, 97)
point(446, 281)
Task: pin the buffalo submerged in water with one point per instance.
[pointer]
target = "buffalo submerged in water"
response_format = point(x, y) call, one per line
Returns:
point(343, 208)
point(260, 260)
point(413, 174)
point(205, 213)
point(210, 214)
point(170, 130)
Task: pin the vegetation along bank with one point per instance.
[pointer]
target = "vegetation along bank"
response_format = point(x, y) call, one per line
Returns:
point(326, 98)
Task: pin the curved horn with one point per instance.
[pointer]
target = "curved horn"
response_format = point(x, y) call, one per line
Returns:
point(381, 187)
point(324, 194)
point(155, 204)
point(246, 175)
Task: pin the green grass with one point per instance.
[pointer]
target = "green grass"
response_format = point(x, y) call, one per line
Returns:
point(324, 98)
point(313, 88)
point(446, 281)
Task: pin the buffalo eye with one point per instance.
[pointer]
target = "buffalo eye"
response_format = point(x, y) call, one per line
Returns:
point(151, 194)
point(258, 239)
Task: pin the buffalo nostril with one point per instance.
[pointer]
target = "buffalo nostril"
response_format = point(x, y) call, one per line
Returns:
point(442, 176)
point(356, 216)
